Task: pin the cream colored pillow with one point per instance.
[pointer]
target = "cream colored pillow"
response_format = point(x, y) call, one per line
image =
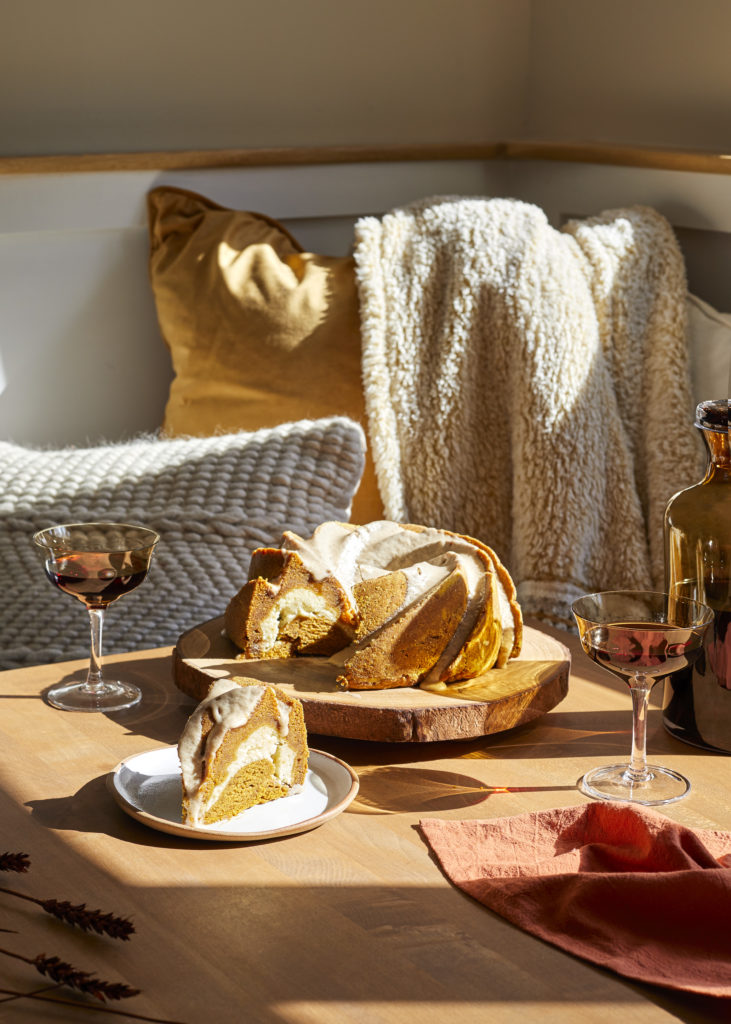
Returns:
point(260, 332)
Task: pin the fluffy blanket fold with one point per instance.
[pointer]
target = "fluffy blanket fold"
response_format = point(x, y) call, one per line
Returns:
point(530, 386)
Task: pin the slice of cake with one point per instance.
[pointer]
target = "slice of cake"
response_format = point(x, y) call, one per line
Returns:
point(245, 744)
point(285, 609)
point(408, 645)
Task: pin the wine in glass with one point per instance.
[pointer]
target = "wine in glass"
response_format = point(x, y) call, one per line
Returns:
point(641, 637)
point(97, 563)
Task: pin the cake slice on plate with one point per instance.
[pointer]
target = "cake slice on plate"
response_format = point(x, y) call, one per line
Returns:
point(246, 744)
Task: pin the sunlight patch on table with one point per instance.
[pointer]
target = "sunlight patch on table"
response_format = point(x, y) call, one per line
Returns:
point(467, 1012)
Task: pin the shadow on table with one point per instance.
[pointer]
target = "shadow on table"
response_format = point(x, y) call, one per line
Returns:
point(416, 929)
point(393, 778)
point(163, 710)
point(555, 735)
point(426, 791)
point(418, 778)
point(384, 790)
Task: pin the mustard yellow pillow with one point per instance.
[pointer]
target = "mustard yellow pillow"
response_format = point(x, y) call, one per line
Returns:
point(259, 331)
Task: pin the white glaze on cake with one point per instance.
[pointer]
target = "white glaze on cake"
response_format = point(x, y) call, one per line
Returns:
point(426, 557)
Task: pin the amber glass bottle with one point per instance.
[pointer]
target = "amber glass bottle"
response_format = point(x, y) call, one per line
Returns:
point(697, 700)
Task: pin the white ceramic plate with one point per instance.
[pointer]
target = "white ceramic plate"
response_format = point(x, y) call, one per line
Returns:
point(147, 786)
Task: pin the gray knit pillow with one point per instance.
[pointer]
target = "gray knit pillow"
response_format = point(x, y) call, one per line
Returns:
point(212, 500)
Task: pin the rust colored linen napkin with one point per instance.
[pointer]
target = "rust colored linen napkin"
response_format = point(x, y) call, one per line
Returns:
point(617, 884)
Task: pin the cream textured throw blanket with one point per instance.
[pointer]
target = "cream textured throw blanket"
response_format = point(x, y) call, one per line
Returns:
point(530, 386)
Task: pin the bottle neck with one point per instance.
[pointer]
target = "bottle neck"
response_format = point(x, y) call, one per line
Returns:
point(718, 443)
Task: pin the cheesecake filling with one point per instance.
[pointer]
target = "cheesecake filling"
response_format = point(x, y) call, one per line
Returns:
point(260, 746)
point(300, 603)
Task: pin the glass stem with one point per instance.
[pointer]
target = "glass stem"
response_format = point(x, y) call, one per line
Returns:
point(94, 681)
point(640, 686)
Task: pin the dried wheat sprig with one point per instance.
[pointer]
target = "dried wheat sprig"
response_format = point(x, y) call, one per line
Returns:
point(86, 1006)
point(58, 970)
point(14, 862)
point(79, 917)
point(65, 974)
point(89, 920)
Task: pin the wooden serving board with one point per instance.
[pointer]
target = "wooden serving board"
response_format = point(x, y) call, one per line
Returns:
point(525, 688)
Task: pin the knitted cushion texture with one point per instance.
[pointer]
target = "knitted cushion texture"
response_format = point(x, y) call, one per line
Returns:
point(212, 500)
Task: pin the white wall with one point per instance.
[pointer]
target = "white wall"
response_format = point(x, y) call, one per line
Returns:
point(648, 72)
point(82, 76)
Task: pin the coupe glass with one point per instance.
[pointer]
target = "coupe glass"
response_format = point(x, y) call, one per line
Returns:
point(96, 563)
point(641, 637)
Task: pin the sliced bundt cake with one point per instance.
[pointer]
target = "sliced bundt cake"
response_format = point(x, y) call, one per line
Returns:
point(394, 604)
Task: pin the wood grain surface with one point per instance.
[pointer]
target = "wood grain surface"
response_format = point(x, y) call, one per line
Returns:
point(629, 155)
point(525, 688)
point(351, 923)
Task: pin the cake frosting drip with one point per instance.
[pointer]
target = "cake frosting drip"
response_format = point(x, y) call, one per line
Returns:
point(404, 574)
point(356, 555)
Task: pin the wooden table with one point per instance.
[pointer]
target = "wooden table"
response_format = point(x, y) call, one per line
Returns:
point(351, 922)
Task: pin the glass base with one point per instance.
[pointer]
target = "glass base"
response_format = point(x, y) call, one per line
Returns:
point(614, 782)
point(112, 696)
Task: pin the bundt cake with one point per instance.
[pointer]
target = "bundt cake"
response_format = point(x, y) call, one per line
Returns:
point(245, 744)
point(391, 604)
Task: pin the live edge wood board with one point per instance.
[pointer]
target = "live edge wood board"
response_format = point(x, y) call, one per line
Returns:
point(527, 687)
